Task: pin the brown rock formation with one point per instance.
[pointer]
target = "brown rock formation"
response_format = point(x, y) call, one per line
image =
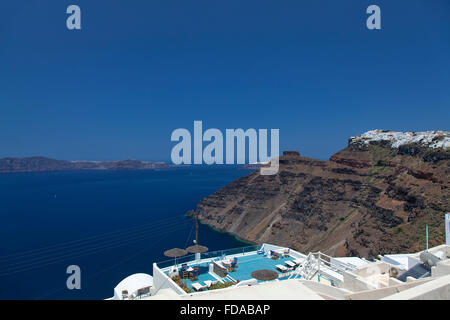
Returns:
point(369, 198)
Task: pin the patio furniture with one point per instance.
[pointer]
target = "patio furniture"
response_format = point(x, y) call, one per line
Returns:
point(274, 254)
point(227, 263)
point(183, 271)
point(220, 269)
point(298, 261)
point(290, 264)
point(286, 252)
point(198, 287)
point(143, 291)
point(209, 283)
point(281, 268)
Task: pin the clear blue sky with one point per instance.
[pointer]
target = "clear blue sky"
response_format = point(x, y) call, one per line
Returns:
point(140, 69)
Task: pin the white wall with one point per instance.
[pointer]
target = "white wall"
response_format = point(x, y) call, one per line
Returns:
point(330, 291)
point(441, 269)
point(437, 289)
point(269, 247)
point(354, 283)
point(161, 281)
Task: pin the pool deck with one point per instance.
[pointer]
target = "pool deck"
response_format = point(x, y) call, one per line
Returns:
point(246, 264)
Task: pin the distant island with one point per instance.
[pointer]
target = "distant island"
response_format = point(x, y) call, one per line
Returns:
point(39, 164)
point(373, 197)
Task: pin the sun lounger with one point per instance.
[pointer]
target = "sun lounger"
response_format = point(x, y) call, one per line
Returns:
point(209, 283)
point(263, 252)
point(298, 261)
point(290, 264)
point(198, 287)
point(226, 262)
point(274, 254)
point(281, 268)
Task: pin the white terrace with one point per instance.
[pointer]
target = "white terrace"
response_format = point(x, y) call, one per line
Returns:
point(422, 275)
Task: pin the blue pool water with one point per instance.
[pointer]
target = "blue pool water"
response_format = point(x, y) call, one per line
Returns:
point(111, 224)
point(247, 264)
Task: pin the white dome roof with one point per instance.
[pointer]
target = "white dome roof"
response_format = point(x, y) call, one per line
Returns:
point(132, 284)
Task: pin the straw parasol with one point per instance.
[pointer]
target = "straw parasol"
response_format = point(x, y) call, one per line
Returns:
point(265, 274)
point(175, 253)
point(197, 249)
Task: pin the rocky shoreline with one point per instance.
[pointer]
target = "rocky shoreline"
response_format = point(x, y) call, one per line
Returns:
point(369, 198)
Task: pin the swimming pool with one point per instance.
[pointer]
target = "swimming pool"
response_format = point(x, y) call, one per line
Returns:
point(247, 264)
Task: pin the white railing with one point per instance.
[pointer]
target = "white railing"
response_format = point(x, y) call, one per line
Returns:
point(312, 265)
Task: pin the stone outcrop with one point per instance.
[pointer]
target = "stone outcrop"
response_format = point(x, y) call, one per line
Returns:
point(371, 197)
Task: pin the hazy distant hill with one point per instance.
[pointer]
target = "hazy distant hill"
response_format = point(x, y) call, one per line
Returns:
point(32, 164)
point(375, 196)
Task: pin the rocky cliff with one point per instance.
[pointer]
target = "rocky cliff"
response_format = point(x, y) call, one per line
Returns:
point(375, 196)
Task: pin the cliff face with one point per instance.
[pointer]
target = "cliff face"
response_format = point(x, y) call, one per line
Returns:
point(375, 196)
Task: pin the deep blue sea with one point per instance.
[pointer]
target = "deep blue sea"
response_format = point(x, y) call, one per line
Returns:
point(111, 224)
